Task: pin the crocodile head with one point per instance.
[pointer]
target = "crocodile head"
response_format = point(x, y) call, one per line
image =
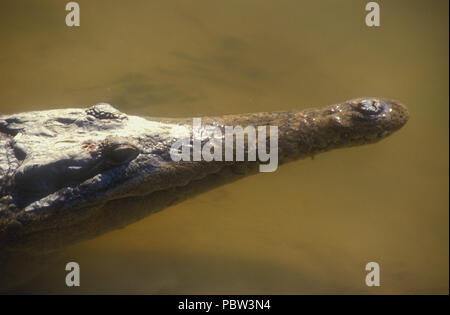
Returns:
point(58, 168)
point(56, 162)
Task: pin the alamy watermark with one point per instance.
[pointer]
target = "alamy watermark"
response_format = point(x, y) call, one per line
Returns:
point(208, 142)
point(373, 277)
point(373, 17)
point(73, 17)
point(73, 276)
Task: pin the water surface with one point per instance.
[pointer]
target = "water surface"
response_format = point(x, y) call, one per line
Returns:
point(311, 226)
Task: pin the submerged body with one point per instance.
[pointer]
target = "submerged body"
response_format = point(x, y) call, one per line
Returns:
point(70, 174)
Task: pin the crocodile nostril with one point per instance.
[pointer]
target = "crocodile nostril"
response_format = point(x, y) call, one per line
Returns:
point(370, 107)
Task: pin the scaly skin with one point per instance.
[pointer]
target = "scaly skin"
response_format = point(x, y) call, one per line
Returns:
point(71, 174)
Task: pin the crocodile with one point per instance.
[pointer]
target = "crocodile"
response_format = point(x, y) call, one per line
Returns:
point(68, 175)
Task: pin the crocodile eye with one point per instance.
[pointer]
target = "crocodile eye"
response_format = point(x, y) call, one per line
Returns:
point(370, 107)
point(121, 153)
point(118, 150)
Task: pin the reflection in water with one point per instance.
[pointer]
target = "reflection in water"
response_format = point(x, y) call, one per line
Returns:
point(312, 225)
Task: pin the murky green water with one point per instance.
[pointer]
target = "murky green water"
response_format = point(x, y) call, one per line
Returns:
point(311, 226)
